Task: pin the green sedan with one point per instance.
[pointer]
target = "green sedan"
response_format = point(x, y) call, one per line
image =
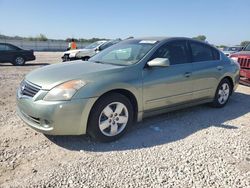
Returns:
point(123, 84)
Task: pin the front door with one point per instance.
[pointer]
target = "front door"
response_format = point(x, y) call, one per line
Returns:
point(3, 53)
point(168, 86)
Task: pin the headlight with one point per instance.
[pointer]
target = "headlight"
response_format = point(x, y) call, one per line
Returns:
point(235, 59)
point(64, 91)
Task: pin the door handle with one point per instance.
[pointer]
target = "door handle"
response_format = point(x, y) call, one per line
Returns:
point(187, 74)
point(220, 67)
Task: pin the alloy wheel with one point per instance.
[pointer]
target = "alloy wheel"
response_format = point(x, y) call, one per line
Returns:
point(113, 119)
point(223, 93)
point(19, 61)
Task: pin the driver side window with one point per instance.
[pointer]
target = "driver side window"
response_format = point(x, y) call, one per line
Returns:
point(175, 51)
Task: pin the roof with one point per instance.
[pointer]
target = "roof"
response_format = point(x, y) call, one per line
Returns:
point(164, 38)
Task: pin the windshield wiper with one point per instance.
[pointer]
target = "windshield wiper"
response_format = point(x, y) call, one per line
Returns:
point(97, 62)
point(102, 62)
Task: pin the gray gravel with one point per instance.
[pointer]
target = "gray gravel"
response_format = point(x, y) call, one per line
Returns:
point(194, 147)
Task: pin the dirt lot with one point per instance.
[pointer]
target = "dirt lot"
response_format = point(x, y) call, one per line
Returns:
point(195, 147)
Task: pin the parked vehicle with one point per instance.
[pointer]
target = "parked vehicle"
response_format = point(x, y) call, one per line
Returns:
point(15, 55)
point(243, 58)
point(233, 49)
point(88, 51)
point(133, 79)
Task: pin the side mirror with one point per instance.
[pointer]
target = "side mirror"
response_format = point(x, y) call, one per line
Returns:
point(159, 62)
point(97, 49)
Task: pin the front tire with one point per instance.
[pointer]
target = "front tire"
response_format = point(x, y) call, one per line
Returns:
point(19, 61)
point(222, 94)
point(110, 117)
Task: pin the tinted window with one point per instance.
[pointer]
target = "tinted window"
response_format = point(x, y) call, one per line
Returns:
point(175, 51)
point(247, 48)
point(9, 47)
point(203, 52)
point(216, 54)
point(2, 47)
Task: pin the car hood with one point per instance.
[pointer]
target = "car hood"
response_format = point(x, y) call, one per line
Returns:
point(52, 75)
point(228, 52)
point(78, 50)
point(242, 53)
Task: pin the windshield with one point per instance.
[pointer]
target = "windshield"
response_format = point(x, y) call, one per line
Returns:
point(235, 49)
point(93, 45)
point(247, 47)
point(124, 53)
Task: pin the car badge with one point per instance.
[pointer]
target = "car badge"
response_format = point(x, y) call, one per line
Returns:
point(22, 88)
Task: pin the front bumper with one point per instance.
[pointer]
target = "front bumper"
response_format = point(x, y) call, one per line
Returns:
point(56, 117)
point(245, 73)
point(30, 58)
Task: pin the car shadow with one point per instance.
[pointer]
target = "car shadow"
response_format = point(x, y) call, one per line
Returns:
point(25, 65)
point(166, 128)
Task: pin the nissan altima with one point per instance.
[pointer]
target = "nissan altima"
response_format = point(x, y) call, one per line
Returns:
point(125, 83)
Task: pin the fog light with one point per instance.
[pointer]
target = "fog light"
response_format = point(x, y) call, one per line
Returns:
point(45, 126)
point(45, 123)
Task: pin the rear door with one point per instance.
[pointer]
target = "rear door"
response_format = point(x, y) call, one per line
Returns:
point(207, 69)
point(168, 86)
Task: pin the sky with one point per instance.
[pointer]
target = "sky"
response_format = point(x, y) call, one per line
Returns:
point(221, 21)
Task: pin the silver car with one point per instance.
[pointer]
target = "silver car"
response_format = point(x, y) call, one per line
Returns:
point(125, 83)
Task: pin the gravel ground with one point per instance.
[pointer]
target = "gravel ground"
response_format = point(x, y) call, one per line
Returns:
point(194, 147)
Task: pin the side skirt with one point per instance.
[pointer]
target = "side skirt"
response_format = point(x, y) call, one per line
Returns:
point(174, 108)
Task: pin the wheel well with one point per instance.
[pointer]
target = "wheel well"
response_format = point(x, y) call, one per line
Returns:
point(231, 82)
point(127, 94)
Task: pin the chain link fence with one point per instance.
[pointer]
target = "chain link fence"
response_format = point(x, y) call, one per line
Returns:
point(50, 45)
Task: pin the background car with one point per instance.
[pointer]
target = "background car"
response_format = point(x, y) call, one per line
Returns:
point(15, 55)
point(124, 83)
point(243, 58)
point(233, 49)
point(89, 51)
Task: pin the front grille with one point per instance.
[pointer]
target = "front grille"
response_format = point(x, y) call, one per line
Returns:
point(29, 89)
point(244, 62)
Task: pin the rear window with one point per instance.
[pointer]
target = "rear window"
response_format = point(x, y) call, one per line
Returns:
point(2, 47)
point(203, 52)
point(9, 47)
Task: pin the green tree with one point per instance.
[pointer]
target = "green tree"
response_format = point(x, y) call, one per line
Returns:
point(200, 37)
point(41, 37)
point(244, 43)
point(221, 46)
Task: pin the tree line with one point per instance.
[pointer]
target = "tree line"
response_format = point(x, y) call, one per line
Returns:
point(42, 37)
point(203, 38)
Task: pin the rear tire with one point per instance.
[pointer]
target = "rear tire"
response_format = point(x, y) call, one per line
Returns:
point(110, 117)
point(222, 94)
point(18, 61)
point(85, 58)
